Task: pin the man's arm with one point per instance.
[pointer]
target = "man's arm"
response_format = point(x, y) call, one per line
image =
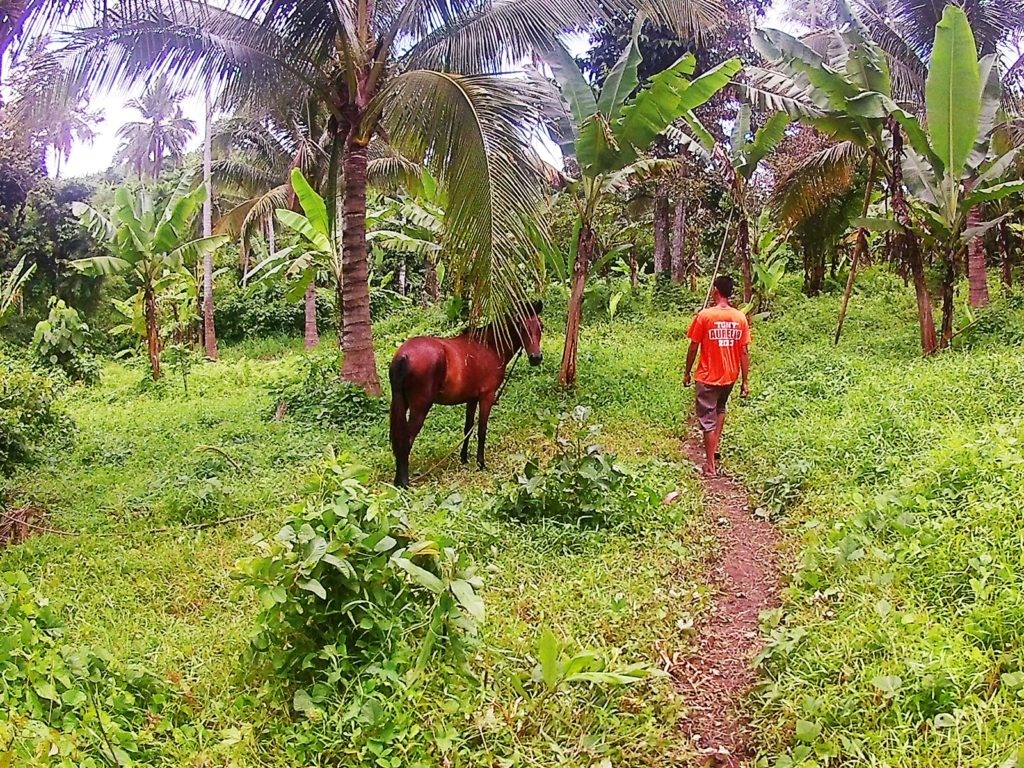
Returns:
point(691, 356)
point(745, 370)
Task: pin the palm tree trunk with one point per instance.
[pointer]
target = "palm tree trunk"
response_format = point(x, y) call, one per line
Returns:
point(907, 249)
point(814, 274)
point(358, 364)
point(431, 288)
point(152, 330)
point(310, 335)
point(1005, 254)
point(976, 276)
point(209, 330)
point(584, 250)
point(679, 243)
point(743, 255)
point(401, 277)
point(860, 250)
point(660, 232)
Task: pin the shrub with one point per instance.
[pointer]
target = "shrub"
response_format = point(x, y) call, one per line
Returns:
point(263, 309)
point(72, 703)
point(581, 486)
point(318, 394)
point(345, 590)
point(62, 340)
point(30, 416)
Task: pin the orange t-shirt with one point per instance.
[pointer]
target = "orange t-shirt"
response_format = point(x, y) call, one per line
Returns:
point(721, 332)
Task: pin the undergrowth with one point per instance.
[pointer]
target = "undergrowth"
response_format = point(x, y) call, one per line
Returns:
point(899, 640)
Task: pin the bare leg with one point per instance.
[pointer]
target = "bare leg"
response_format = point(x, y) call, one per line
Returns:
point(718, 435)
point(710, 449)
point(470, 413)
point(485, 411)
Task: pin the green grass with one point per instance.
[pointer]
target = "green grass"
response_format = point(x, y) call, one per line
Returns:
point(153, 457)
point(896, 479)
point(900, 481)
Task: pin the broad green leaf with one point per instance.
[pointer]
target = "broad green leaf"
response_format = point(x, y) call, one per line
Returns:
point(102, 265)
point(596, 149)
point(469, 599)
point(420, 575)
point(807, 731)
point(623, 78)
point(740, 129)
point(192, 252)
point(993, 193)
point(176, 220)
point(887, 684)
point(998, 168)
point(314, 586)
point(669, 97)
point(547, 656)
point(991, 96)
point(312, 204)
point(575, 89)
point(952, 92)
point(765, 140)
point(302, 226)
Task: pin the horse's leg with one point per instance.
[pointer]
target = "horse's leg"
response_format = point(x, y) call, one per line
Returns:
point(485, 411)
point(470, 413)
point(417, 415)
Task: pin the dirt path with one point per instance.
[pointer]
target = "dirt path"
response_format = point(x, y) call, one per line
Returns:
point(745, 573)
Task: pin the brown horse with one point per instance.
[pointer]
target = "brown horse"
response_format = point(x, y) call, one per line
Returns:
point(466, 369)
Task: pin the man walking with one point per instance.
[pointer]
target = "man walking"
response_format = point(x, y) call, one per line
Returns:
point(722, 334)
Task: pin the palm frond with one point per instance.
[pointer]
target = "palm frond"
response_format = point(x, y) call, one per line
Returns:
point(488, 34)
point(191, 43)
point(389, 170)
point(243, 175)
point(468, 129)
point(811, 185)
point(772, 91)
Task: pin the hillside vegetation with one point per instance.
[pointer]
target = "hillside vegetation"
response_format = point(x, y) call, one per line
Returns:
point(897, 478)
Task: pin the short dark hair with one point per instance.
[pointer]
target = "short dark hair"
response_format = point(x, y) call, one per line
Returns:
point(725, 285)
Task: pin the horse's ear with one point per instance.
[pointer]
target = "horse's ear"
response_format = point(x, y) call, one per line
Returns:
point(537, 306)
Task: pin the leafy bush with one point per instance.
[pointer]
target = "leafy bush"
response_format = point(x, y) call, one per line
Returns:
point(263, 309)
point(581, 486)
point(73, 704)
point(318, 394)
point(30, 416)
point(62, 340)
point(345, 589)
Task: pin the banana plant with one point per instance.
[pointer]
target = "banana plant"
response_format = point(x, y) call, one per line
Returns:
point(412, 225)
point(735, 166)
point(608, 134)
point(952, 166)
point(147, 240)
point(837, 93)
point(12, 286)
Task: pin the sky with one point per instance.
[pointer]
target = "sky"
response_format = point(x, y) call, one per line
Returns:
point(97, 156)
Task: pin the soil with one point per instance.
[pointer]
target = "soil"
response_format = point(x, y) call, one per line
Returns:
point(718, 674)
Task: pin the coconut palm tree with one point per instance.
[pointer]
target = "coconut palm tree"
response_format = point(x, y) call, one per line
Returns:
point(383, 66)
point(160, 136)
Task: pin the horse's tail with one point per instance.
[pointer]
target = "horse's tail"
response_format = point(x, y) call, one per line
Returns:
point(399, 403)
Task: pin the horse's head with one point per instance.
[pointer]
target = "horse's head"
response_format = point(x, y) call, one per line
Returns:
point(530, 329)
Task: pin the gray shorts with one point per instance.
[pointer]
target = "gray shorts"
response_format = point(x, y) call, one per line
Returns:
point(711, 402)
